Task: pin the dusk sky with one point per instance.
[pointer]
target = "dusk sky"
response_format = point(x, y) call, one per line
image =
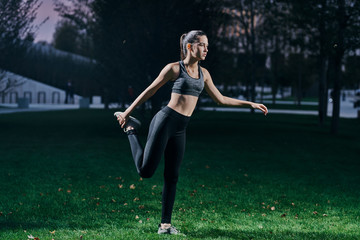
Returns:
point(46, 30)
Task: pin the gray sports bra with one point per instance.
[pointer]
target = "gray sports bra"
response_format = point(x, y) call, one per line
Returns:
point(187, 85)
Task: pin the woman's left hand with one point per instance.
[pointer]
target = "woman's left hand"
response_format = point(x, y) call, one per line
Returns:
point(261, 107)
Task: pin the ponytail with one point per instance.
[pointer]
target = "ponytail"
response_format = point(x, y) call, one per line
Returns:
point(190, 37)
point(182, 53)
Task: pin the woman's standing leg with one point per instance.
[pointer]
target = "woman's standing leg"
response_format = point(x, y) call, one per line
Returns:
point(174, 154)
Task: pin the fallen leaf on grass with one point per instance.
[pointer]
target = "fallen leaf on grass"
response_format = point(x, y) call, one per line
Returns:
point(315, 212)
point(272, 208)
point(52, 232)
point(325, 215)
point(136, 199)
point(141, 206)
point(32, 237)
point(136, 217)
point(120, 186)
point(132, 186)
point(283, 215)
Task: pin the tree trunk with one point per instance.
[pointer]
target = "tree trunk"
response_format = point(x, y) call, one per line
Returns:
point(323, 99)
point(299, 85)
point(253, 92)
point(322, 109)
point(339, 53)
point(274, 69)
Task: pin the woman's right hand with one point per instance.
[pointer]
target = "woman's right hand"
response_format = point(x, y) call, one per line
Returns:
point(122, 118)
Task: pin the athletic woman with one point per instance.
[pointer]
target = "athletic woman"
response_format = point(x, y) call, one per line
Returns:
point(167, 128)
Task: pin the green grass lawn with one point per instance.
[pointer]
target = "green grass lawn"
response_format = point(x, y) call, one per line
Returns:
point(67, 174)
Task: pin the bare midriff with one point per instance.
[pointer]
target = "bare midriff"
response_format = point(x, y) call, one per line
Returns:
point(183, 104)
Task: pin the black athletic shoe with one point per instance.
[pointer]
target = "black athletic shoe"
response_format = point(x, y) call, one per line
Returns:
point(133, 122)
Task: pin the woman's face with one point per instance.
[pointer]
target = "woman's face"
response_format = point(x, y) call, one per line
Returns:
point(199, 49)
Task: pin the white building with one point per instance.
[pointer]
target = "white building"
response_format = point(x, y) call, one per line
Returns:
point(36, 92)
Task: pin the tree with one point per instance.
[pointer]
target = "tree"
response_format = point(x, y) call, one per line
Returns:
point(274, 36)
point(331, 28)
point(16, 31)
point(241, 26)
point(66, 37)
point(7, 83)
point(73, 32)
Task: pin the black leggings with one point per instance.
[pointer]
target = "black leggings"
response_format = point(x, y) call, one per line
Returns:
point(167, 135)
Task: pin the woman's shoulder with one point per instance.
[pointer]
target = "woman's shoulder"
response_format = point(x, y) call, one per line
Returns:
point(172, 70)
point(205, 71)
point(174, 65)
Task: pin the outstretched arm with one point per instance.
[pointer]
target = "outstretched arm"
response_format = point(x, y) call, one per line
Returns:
point(227, 101)
point(166, 74)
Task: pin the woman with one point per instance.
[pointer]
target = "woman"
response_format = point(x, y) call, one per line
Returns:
point(167, 129)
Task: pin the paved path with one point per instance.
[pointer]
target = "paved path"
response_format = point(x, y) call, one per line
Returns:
point(12, 108)
point(346, 107)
